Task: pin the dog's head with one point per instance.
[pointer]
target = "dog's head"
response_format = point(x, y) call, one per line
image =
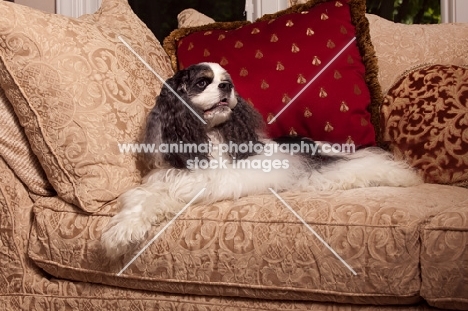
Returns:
point(209, 89)
point(198, 101)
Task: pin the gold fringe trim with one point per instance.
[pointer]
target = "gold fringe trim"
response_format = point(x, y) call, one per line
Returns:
point(463, 184)
point(294, 9)
point(364, 42)
point(366, 49)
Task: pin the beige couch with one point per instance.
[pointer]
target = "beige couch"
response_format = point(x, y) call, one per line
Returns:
point(70, 93)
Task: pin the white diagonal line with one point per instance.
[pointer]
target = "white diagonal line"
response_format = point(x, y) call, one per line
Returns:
point(160, 78)
point(160, 232)
point(313, 79)
point(313, 232)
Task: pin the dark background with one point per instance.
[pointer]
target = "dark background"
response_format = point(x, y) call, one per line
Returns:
point(406, 11)
point(161, 15)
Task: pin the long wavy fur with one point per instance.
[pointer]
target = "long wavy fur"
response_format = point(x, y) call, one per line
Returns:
point(244, 125)
point(171, 122)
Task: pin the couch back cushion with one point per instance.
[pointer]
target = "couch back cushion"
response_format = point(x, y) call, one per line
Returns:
point(400, 47)
point(79, 93)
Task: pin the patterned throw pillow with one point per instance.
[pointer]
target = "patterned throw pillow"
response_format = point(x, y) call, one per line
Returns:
point(79, 92)
point(302, 66)
point(425, 116)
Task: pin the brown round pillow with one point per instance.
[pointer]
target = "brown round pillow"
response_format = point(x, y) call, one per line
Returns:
point(425, 121)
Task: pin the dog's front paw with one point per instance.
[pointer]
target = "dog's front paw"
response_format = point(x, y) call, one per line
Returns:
point(122, 233)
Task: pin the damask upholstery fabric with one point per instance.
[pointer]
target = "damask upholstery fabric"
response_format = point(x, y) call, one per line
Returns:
point(16, 151)
point(444, 258)
point(256, 248)
point(378, 229)
point(292, 53)
point(425, 121)
point(79, 92)
point(192, 18)
point(25, 287)
point(15, 222)
point(400, 47)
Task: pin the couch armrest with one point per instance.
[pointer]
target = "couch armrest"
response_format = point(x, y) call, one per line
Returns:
point(444, 258)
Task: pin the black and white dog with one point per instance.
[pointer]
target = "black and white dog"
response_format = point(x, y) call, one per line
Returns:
point(177, 176)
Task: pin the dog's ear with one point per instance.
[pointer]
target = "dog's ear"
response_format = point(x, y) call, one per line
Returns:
point(244, 126)
point(172, 122)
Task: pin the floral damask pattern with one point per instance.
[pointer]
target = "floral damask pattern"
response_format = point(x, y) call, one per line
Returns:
point(220, 249)
point(444, 256)
point(400, 47)
point(426, 122)
point(79, 92)
point(16, 151)
point(192, 18)
point(24, 286)
point(256, 248)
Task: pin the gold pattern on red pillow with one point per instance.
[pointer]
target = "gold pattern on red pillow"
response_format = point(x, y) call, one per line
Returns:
point(297, 67)
point(425, 117)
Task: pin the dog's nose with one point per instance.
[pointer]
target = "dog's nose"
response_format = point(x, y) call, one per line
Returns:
point(225, 86)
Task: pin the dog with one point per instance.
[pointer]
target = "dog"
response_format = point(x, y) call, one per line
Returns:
point(199, 106)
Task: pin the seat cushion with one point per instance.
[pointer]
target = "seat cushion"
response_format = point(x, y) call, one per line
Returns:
point(444, 258)
point(24, 286)
point(255, 247)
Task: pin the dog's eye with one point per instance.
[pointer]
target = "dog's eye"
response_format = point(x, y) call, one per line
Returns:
point(202, 84)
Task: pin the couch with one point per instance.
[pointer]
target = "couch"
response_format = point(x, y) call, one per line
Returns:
point(71, 92)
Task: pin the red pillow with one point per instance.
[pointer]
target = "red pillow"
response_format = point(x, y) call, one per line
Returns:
point(307, 49)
